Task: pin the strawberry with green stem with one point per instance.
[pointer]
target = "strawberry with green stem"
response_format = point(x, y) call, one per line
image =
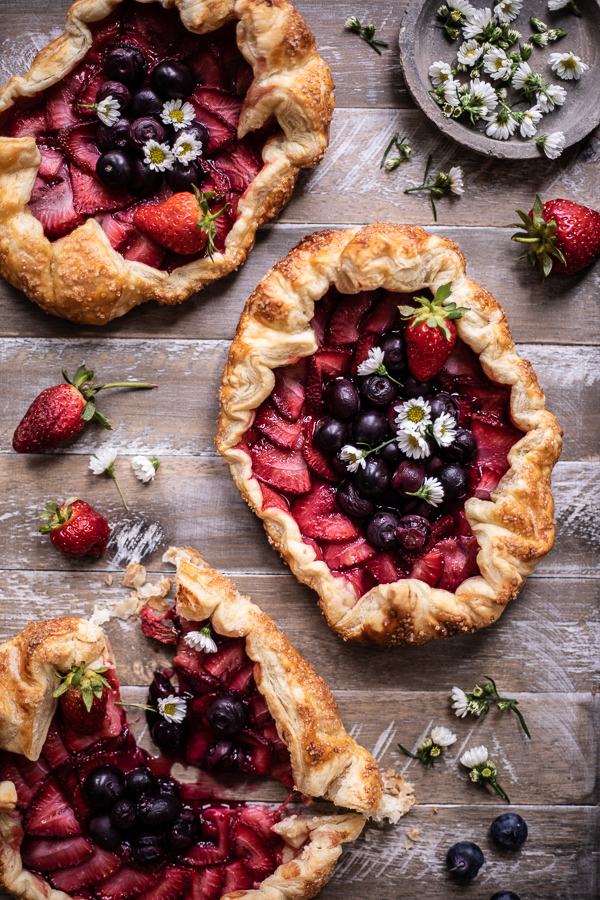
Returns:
point(83, 696)
point(62, 411)
point(431, 334)
point(183, 223)
point(75, 528)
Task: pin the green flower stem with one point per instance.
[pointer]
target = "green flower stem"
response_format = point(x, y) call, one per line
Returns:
point(111, 472)
point(408, 753)
point(499, 790)
point(116, 384)
point(137, 705)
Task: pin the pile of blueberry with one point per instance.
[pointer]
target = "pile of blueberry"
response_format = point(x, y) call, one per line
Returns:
point(465, 859)
point(138, 814)
point(363, 411)
point(122, 164)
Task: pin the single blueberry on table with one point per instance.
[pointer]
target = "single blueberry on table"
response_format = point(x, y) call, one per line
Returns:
point(505, 895)
point(464, 860)
point(509, 831)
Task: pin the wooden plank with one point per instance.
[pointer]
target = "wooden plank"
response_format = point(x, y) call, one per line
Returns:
point(194, 500)
point(534, 313)
point(546, 640)
point(158, 422)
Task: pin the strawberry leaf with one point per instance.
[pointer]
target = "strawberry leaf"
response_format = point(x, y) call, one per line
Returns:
point(101, 418)
point(88, 411)
point(442, 293)
point(87, 695)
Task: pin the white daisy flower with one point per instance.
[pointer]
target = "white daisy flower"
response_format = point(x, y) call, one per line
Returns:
point(508, 10)
point(520, 75)
point(552, 144)
point(462, 6)
point(109, 111)
point(451, 92)
point(501, 125)
point(352, 23)
point(187, 148)
point(469, 52)
point(431, 491)
point(461, 702)
point(542, 39)
point(415, 412)
point(353, 457)
point(443, 737)
point(439, 73)
point(456, 180)
point(497, 64)
point(555, 95)
point(529, 122)
point(102, 460)
point(201, 640)
point(484, 92)
point(158, 156)
point(178, 114)
point(474, 757)
point(555, 5)
point(567, 65)
point(144, 468)
point(172, 708)
point(372, 363)
point(477, 20)
point(412, 443)
point(444, 429)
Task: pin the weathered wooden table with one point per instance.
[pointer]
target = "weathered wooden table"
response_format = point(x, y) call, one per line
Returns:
point(544, 650)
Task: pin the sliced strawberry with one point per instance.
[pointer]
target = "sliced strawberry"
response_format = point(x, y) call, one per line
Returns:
point(29, 123)
point(494, 444)
point(33, 770)
point(463, 363)
point(49, 814)
point(226, 49)
point(52, 203)
point(235, 878)
point(318, 552)
point(313, 387)
point(240, 164)
point(384, 569)
point(429, 568)
point(254, 852)
point(196, 748)
point(223, 223)
point(86, 98)
point(331, 363)
point(318, 516)
point(171, 884)
point(219, 103)
point(488, 403)
point(159, 627)
point(206, 884)
point(105, 33)
point(79, 143)
point(343, 555)
point(243, 680)
point(484, 481)
point(91, 197)
point(320, 322)
point(443, 528)
point(271, 499)
point(462, 527)
point(112, 725)
point(288, 393)
point(101, 864)
point(383, 315)
point(284, 470)
point(243, 78)
point(216, 826)
point(364, 345)
point(317, 461)
point(361, 579)
point(9, 771)
point(52, 160)
point(344, 327)
point(114, 230)
point(280, 431)
point(230, 657)
point(460, 561)
point(47, 855)
point(257, 755)
point(55, 750)
point(206, 68)
point(138, 247)
point(125, 884)
point(61, 100)
point(220, 134)
point(260, 819)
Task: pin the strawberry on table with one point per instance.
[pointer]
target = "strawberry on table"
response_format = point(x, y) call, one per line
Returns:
point(75, 528)
point(561, 236)
point(183, 223)
point(83, 696)
point(61, 411)
point(431, 334)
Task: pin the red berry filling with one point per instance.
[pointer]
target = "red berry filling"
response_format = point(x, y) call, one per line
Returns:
point(398, 512)
point(142, 57)
point(103, 820)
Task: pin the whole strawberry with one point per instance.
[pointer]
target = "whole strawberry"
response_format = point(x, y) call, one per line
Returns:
point(431, 334)
point(183, 223)
point(60, 412)
point(562, 237)
point(75, 528)
point(83, 697)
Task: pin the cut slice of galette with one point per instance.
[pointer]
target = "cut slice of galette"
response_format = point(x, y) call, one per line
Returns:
point(85, 812)
point(416, 509)
point(136, 103)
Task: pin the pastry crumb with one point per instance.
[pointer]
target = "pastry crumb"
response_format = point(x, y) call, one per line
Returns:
point(160, 589)
point(109, 579)
point(408, 845)
point(434, 810)
point(413, 834)
point(158, 604)
point(128, 607)
point(135, 576)
point(100, 616)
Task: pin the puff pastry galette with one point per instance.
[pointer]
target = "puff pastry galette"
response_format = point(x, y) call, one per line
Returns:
point(84, 812)
point(415, 509)
point(138, 100)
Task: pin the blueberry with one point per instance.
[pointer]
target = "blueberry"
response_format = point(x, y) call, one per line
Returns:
point(374, 478)
point(370, 427)
point(455, 480)
point(464, 860)
point(509, 831)
point(168, 786)
point(126, 64)
point(197, 130)
point(221, 754)
point(226, 714)
point(172, 80)
point(122, 815)
point(505, 895)
point(146, 102)
point(392, 455)
point(394, 352)
point(463, 448)
point(103, 832)
point(114, 169)
point(182, 178)
point(413, 532)
point(341, 398)
point(433, 464)
point(149, 849)
point(145, 180)
point(381, 530)
point(330, 434)
point(140, 781)
point(408, 477)
point(153, 812)
point(143, 130)
point(103, 786)
point(183, 832)
point(443, 403)
point(411, 388)
point(115, 137)
point(168, 735)
point(117, 91)
point(378, 390)
point(352, 501)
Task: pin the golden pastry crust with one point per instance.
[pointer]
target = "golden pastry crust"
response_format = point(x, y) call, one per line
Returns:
point(514, 530)
point(80, 277)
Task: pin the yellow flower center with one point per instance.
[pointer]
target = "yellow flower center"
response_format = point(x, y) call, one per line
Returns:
point(185, 148)
point(415, 414)
point(177, 115)
point(169, 709)
point(157, 155)
point(413, 439)
point(570, 63)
